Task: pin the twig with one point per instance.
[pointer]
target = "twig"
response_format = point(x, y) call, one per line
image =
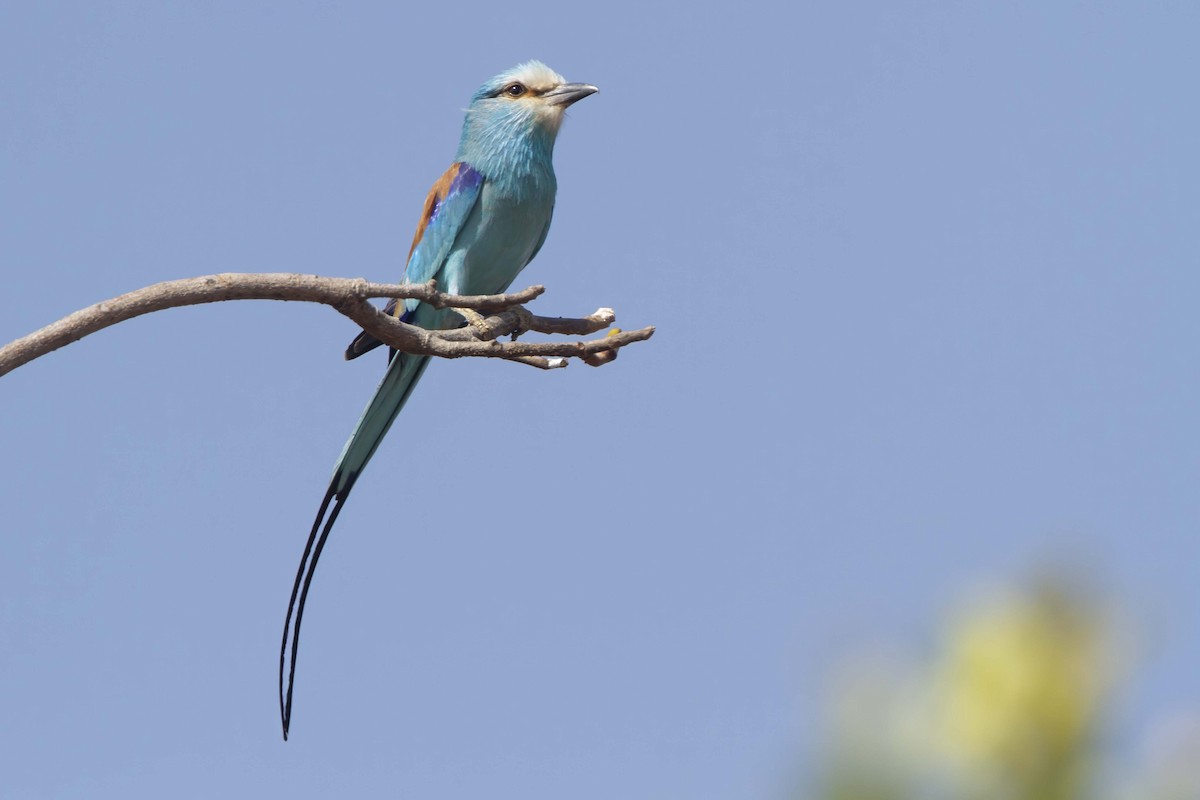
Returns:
point(349, 297)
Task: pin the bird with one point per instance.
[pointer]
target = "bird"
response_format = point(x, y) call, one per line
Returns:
point(485, 218)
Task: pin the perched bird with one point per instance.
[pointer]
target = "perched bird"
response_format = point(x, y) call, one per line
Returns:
point(483, 221)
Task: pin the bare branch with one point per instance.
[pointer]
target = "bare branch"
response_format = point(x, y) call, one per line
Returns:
point(349, 297)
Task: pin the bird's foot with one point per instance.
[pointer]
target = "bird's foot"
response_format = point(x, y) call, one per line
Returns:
point(475, 320)
point(524, 320)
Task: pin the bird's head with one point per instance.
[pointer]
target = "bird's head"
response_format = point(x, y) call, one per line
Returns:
point(521, 107)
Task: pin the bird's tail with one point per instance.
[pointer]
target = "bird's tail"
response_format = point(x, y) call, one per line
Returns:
point(402, 375)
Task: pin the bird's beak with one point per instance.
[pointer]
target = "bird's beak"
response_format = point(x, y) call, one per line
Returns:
point(568, 93)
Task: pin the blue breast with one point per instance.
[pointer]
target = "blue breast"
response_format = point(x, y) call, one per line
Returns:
point(501, 235)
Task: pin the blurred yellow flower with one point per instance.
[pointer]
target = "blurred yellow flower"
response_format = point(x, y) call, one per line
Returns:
point(1009, 708)
point(1020, 687)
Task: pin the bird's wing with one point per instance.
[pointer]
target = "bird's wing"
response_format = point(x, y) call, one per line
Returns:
point(447, 208)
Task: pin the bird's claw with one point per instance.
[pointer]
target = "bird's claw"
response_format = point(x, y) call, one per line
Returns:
point(475, 320)
point(524, 320)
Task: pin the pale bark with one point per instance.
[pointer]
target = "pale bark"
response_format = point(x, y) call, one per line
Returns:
point(350, 297)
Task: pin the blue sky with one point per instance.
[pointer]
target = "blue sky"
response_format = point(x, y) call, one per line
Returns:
point(925, 281)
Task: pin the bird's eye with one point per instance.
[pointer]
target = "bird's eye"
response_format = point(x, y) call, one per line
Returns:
point(514, 90)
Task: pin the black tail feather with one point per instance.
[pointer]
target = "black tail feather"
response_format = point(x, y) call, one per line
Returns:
point(362, 344)
point(304, 576)
point(365, 342)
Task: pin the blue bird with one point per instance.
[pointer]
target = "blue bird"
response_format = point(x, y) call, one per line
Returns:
point(483, 221)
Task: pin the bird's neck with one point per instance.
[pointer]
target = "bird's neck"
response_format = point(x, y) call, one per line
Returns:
point(517, 159)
